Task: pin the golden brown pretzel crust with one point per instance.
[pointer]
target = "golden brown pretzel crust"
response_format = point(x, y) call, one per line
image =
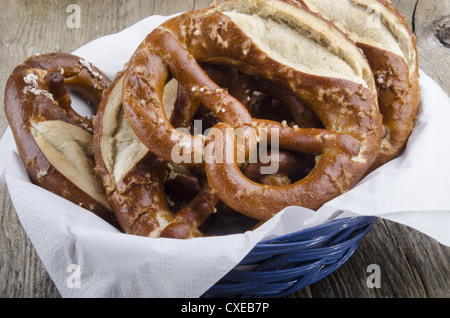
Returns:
point(138, 197)
point(398, 95)
point(397, 82)
point(346, 108)
point(261, 202)
point(35, 96)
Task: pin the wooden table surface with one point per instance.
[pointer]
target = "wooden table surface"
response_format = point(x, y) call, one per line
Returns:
point(411, 264)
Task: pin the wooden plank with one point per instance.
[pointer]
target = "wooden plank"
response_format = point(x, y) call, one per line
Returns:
point(431, 22)
point(412, 264)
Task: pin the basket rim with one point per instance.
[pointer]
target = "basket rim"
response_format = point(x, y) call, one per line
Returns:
point(270, 248)
point(265, 273)
point(336, 224)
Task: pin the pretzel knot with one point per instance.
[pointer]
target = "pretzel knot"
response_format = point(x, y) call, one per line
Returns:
point(194, 49)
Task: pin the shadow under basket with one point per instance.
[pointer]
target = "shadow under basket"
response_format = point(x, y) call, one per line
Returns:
point(284, 265)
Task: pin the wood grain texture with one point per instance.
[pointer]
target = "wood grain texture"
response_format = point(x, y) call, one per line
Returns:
point(412, 264)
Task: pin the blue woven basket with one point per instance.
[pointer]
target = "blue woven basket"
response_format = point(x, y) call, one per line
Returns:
point(284, 265)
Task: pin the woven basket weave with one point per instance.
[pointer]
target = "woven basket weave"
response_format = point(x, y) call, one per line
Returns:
point(284, 265)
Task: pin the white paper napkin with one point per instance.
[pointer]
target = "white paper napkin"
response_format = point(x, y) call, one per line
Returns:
point(87, 257)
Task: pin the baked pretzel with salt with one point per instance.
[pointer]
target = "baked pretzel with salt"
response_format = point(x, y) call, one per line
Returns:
point(335, 81)
point(53, 140)
point(135, 178)
point(389, 45)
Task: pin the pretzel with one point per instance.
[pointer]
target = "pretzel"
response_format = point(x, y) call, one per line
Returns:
point(390, 48)
point(53, 140)
point(342, 94)
point(135, 178)
point(147, 195)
